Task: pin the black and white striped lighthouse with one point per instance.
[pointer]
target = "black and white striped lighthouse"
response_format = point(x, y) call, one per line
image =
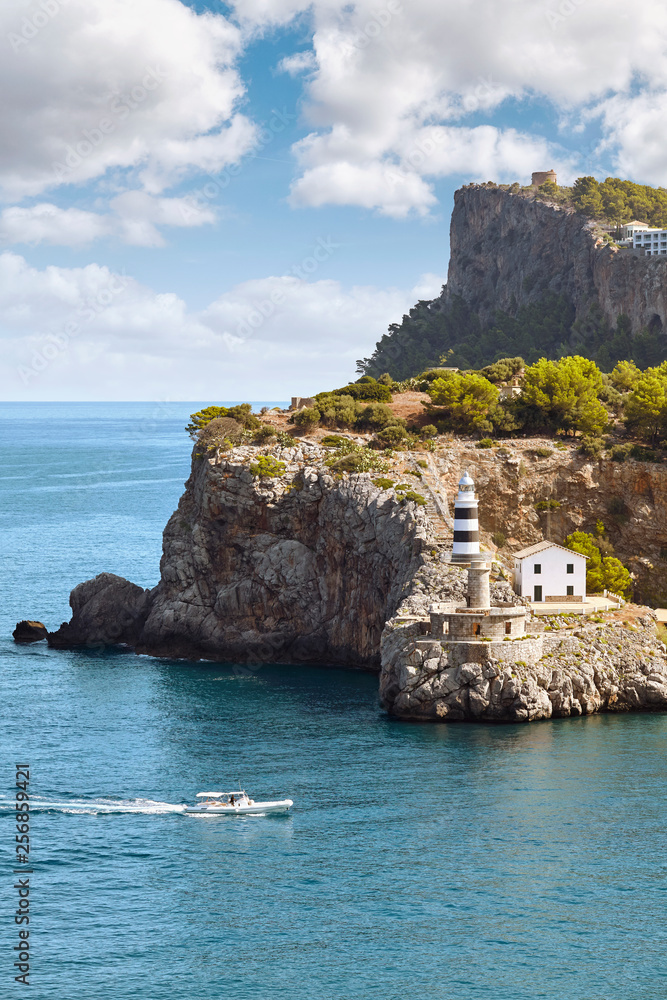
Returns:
point(466, 524)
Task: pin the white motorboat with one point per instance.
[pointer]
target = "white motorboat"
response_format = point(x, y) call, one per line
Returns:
point(234, 804)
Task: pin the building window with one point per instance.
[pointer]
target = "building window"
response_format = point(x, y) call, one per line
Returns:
point(537, 568)
point(508, 628)
point(570, 591)
point(570, 567)
point(476, 628)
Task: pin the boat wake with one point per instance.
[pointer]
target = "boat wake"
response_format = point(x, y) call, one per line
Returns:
point(94, 807)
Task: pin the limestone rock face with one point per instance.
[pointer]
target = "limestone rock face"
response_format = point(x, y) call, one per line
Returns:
point(301, 568)
point(106, 611)
point(508, 250)
point(575, 671)
point(630, 498)
point(27, 631)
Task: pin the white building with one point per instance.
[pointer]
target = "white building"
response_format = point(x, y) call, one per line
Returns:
point(547, 571)
point(630, 228)
point(651, 241)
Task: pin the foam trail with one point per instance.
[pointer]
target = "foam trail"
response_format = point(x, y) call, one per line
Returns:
point(97, 806)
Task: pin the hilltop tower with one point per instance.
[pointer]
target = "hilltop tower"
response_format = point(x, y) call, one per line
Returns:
point(541, 176)
point(466, 524)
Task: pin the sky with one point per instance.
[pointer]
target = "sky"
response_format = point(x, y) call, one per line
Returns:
point(219, 201)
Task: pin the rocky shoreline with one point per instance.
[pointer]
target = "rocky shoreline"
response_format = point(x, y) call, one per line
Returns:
point(315, 566)
point(574, 669)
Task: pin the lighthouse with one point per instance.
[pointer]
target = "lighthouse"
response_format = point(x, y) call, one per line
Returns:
point(466, 524)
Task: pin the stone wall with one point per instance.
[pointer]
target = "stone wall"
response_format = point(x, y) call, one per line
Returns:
point(615, 666)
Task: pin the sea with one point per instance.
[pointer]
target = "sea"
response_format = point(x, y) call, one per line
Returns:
point(435, 862)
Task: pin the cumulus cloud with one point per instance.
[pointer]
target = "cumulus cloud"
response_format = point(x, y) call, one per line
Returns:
point(298, 63)
point(46, 223)
point(634, 128)
point(139, 214)
point(134, 219)
point(383, 74)
point(82, 333)
point(384, 186)
point(98, 85)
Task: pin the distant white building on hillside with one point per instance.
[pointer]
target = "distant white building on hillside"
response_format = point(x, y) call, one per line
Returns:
point(652, 241)
point(550, 572)
point(630, 228)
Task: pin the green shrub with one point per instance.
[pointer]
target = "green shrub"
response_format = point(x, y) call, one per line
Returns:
point(402, 487)
point(591, 446)
point(413, 472)
point(375, 416)
point(430, 445)
point(429, 431)
point(499, 539)
point(361, 460)
point(267, 467)
point(383, 483)
point(543, 452)
point(643, 454)
point(411, 496)
point(307, 418)
point(422, 463)
point(464, 401)
point(333, 440)
point(619, 452)
point(391, 435)
point(285, 440)
point(220, 432)
point(337, 411)
point(265, 434)
point(368, 389)
point(547, 505)
point(484, 443)
point(601, 572)
point(242, 414)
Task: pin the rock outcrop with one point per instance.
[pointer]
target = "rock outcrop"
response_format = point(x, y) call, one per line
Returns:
point(27, 632)
point(571, 670)
point(329, 569)
point(305, 567)
point(106, 611)
point(508, 250)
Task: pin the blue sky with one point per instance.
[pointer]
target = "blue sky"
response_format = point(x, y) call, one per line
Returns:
point(218, 201)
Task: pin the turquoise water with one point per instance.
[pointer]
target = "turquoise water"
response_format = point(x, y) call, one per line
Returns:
point(420, 861)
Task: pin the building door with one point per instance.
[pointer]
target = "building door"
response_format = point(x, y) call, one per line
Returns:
point(538, 595)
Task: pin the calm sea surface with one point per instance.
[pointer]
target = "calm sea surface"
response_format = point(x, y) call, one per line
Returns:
point(420, 861)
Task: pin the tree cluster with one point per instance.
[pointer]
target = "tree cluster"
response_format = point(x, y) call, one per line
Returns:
point(618, 201)
point(242, 414)
point(556, 396)
point(603, 570)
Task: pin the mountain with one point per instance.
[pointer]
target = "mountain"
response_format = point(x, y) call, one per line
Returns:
point(534, 278)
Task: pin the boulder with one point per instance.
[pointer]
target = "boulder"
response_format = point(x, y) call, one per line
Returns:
point(28, 631)
point(106, 611)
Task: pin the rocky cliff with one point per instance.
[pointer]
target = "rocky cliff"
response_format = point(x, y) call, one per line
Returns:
point(629, 498)
point(532, 278)
point(508, 250)
point(305, 567)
